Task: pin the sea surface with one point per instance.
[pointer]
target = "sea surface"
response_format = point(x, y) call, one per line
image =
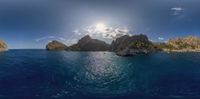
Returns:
point(39, 74)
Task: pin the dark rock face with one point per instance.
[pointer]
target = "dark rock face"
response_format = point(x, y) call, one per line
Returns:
point(132, 45)
point(123, 46)
point(3, 46)
point(89, 44)
point(56, 46)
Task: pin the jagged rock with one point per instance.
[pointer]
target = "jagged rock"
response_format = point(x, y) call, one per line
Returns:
point(184, 44)
point(88, 44)
point(3, 46)
point(74, 47)
point(56, 45)
point(132, 45)
point(123, 46)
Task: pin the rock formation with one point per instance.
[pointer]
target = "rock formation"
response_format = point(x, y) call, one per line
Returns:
point(88, 44)
point(123, 46)
point(84, 44)
point(132, 45)
point(3, 46)
point(56, 46)
point(184, 44)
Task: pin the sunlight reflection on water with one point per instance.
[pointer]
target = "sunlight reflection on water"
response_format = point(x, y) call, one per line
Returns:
point(98, 73)
point(64, 74)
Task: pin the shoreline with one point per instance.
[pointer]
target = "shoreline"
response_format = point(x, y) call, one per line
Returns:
point(163, 50)
point(181, 51)
point(3, 50)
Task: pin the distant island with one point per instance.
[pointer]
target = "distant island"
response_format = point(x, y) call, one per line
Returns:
point(183, 44)
point(3, 46)
point(133, 45)
point(130, 45)
point(88, 44)
point(123, 46)
point(56, 46)
point(84, 44)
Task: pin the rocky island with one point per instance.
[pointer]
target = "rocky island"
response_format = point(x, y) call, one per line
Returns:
point(3, 46)
point(123, 46)
point(183, 44)
point(132, 45)
point(84, 44)
point(88, 44)
point(56, 46)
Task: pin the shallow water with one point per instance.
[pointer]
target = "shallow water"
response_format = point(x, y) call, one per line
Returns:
point(39, 74)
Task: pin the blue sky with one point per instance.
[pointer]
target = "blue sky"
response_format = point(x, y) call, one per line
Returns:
point(33, 23)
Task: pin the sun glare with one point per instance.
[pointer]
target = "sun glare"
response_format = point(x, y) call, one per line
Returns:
point(100, 27)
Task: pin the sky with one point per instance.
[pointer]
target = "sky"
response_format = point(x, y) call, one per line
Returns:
point(31, 24)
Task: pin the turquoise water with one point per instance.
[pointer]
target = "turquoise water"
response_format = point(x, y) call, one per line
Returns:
point(39, 74)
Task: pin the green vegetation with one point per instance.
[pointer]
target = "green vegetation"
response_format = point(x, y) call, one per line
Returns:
point(139, 45)
point(189, 43)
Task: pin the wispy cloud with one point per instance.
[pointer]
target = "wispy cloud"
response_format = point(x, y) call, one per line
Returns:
point(177, 10)
point(107, 34)
point(77, 32)
point(71, 41)
point(49, 38)
point(161, 38)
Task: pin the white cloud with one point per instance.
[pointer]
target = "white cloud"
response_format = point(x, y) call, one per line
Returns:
point(151, 40)
point(40, 39)
point(161, 38)
point(107, 33)
point(49, 37)
point(77, 32)
point(71, 41)
point(177, 10)
point(62, 39)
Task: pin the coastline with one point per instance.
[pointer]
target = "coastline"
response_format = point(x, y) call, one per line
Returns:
point(3, 50)
point(182, 51)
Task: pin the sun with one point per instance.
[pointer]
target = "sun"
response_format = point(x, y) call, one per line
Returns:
point(100, 27)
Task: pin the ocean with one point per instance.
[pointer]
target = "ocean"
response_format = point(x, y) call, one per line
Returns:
point(40, 74)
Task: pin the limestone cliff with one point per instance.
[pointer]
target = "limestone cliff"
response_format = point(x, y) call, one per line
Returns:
point(55, 46)
point(183, 44)
point(3, 46)
point(132, 45)
point(88, 44)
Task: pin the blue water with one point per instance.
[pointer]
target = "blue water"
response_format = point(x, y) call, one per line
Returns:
point(39, 74)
